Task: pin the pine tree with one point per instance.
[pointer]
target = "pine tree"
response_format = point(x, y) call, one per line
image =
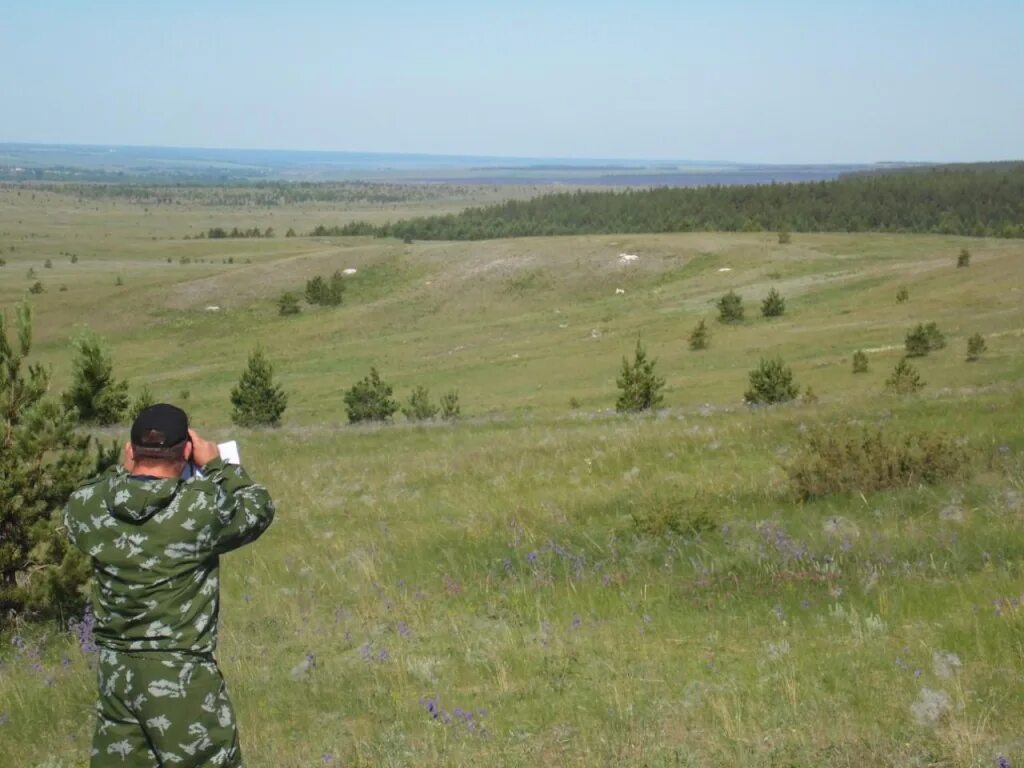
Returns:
point(773, 305)
point(964, 259)
point(450, 408)
point(700, 338)
point(904, 379)
point(141, 403)
point(902, 295)
point(419, 407)
point(916, 342)
point(860, 362)
point(771, 382)
point(370, 400)
point(288, 304)
point(730, 308)
point(975, 347)
point(640, 387)
point(257, 400)
point(95, 394)
point(42, 461)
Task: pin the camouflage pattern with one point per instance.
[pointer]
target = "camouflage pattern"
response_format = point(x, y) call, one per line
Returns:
point(163, 709)
point(155, 546)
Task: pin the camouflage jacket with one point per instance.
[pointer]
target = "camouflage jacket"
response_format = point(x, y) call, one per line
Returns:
point(155, 546)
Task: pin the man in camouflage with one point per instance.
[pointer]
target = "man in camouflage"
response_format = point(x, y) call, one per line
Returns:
point(155, 542)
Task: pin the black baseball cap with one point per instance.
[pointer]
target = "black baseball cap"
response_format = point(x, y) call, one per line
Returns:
point(160, 426)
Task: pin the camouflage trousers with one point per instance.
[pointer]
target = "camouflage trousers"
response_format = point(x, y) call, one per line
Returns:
point(159, 709)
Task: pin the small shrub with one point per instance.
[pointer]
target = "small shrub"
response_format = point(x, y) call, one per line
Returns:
point(184, 395)
point(288, 304)
point(290, 233)
point(370, 400)
point(48, 264)
point(924, 339)
point(658, 514)
point(936, 339)
point(36, 287)
point(574, 403)
point(809, 397)
point(902, 295)
point(975, 347)
point(119, 281)
point(730, 308)
point(964, 259)
point(257, 400)
point(140, 403)
point(450, 409)
point(96, 396)
point(31, 274)
point(3, 262)
point(773, 305)
point(785, 238)
point(837, 459)
point(860, 362)
point(904, 379)
point(74, 258)
point(700, 338)
point(771, 382)
point(419, 407)
point(327, 293)
point(62, 288)
point(640, 387)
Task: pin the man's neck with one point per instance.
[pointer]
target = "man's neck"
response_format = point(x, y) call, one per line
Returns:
point(160, 469)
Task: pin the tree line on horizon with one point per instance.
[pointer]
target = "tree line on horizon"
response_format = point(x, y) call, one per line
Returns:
point(983, 200)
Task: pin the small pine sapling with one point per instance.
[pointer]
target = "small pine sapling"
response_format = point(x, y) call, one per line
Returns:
point(904, 379)
point(639, 386)
point(700, 338)
point(771, 382)
point(975, 347)
point(730, 308)
point(860, 362)
point(257, 400)
point(773, 305)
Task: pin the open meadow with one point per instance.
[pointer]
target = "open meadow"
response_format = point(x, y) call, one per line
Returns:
point(545, 581)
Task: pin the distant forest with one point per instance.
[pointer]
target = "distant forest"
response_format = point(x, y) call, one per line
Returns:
point(978, 200)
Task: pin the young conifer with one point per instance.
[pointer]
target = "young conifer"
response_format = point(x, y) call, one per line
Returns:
point(700, 338)
point(257, 400)
point(639, 386)
point(773, 305)
point(96, 396)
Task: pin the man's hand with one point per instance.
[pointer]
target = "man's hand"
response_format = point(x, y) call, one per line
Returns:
point(203, 451)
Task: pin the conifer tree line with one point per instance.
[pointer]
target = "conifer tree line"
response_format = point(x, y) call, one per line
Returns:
point(984, 200)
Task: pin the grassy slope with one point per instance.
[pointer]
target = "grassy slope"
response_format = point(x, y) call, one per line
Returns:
point(495, 562)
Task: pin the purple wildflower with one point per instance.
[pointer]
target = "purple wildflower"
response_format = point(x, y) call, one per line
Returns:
point(1003, 762)
point(531, 557)
point(577, 622)
point(403, 629)
point(83, 630)
point(4, 718)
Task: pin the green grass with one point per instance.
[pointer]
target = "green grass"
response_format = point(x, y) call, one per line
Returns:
point(496, 561)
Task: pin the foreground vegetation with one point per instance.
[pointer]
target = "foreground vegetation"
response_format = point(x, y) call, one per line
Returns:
point(544, 581)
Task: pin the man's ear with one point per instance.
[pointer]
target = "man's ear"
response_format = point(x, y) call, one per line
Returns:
point(188, 450)
point(129, 456)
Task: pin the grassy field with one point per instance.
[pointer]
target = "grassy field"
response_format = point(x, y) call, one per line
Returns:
point(497, 571)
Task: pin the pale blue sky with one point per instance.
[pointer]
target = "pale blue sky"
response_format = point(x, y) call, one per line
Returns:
point(730, 80)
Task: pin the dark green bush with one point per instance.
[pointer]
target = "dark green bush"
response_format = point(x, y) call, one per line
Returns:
point(860, 362)
point(773, 305)
point(771, 382)
point(902, 295)
point(257, 400)
point(96, 396)
point(964, 259)
point(327, 293)
point(730, 308)
point(370, 400)
point(923, 339)
point(700, 338)
point(975, 347)
point(639, 386)
point(288, 304)
point(904, 379)
point(836, 459)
